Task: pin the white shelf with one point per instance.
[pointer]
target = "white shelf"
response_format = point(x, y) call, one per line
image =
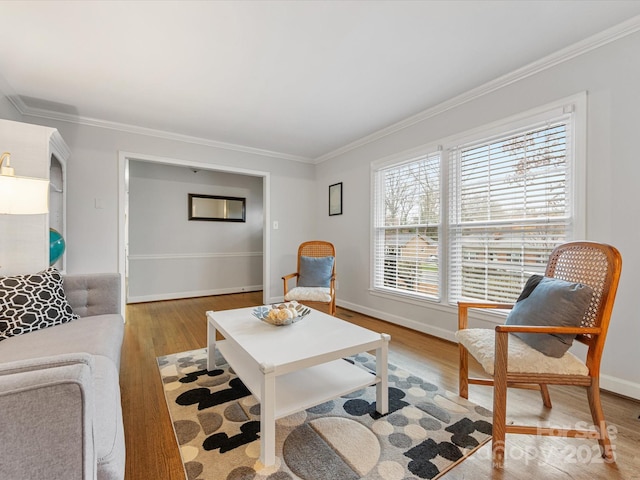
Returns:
point(300, 389)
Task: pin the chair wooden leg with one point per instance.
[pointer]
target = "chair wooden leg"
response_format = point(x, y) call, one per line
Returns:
point(593, 394)
point(463, 373)
point(499, 400)
point(546, 399)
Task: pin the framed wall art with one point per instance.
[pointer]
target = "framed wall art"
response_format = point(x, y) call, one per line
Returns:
point(335, 199)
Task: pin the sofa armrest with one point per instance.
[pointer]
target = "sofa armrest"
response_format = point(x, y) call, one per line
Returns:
point(93, 294)
point(46, 418)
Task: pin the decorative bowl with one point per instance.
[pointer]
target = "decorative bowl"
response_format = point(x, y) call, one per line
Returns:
point(282, 313)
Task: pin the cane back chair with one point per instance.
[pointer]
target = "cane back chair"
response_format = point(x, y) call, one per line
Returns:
point(593, 264)
point(313, 296)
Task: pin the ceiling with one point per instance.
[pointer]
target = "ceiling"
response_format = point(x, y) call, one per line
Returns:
point(299, 78)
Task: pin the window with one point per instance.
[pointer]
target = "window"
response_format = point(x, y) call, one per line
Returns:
point(407, 227)
point(512, 192)
point(510, 206)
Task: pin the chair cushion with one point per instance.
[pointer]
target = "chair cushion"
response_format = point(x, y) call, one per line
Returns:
point(311, 294)
point(315, 271)
point(31, 302)
point(553, 302)
point(480, 342)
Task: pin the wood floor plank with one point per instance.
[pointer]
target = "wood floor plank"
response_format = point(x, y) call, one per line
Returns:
point(161, 328)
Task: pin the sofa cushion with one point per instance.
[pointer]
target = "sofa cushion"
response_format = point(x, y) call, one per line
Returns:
point(98, 335)
point(553, 302)
point(315, 271)
point(93, 293)
point(32, 302)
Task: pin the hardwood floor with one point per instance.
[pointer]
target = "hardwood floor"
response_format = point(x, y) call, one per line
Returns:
point(161, 328)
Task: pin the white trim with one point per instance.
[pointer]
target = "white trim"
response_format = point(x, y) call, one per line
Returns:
point(152, 132)
point(123, 207)
point(182, 256)
point(612, 34)
point(193, 294)
point(123, 171)
point(620, 386)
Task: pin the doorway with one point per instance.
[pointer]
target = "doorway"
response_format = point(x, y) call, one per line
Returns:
point(124, 214)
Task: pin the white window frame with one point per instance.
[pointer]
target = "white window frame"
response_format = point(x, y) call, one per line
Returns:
point(575, 105)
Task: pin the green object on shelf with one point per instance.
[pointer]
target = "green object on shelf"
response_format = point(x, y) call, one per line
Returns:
point(56, 246)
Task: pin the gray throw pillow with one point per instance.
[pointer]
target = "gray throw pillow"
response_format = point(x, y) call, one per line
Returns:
point(555, 303)
point(32, 302)
point(315, 271)
point(530, 286)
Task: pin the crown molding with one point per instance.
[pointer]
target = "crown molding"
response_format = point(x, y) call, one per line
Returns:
point(152, 132)
point(612, 34)
point(24, 110)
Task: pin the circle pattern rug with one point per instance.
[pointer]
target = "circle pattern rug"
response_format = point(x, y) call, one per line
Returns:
point(217, 426)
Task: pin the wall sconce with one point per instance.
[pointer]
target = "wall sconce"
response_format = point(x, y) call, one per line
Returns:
point(21, 195)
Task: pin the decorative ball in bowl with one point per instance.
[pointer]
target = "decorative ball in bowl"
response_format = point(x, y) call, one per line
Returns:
point(282, 314)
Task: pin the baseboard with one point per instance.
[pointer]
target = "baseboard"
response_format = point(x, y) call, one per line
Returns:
point(402, 321)
point(192, 294)
point(620, 386)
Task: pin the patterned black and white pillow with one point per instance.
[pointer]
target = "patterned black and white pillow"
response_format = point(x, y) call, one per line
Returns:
point(32, 302)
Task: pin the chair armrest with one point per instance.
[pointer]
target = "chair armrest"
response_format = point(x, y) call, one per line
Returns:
point(46, 418)
point(547, 329)
point(463, 310)
point(286, 279)
point(332, 284)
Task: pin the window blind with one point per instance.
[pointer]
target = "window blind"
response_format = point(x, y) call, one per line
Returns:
point(407, 227)
point(510, 205)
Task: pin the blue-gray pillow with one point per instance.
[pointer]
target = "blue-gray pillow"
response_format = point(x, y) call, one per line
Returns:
point(554, 303)
point(315, 271)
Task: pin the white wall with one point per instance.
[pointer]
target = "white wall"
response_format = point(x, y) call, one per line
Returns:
point(172, 257)
point(611, 76)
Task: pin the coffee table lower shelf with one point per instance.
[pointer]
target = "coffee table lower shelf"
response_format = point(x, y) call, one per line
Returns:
point(301, 389)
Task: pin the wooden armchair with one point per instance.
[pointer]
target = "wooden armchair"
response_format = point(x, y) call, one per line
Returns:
point(313, 295)
point(588, 263)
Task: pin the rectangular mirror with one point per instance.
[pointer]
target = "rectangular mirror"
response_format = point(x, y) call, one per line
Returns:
point(217, 208)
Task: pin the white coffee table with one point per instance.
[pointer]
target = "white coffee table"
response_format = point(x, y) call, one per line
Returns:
point(295, 367)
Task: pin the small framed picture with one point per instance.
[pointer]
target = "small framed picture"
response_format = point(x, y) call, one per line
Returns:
point(335, 199)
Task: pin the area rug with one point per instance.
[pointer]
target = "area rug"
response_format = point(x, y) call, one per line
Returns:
point(217, 426)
